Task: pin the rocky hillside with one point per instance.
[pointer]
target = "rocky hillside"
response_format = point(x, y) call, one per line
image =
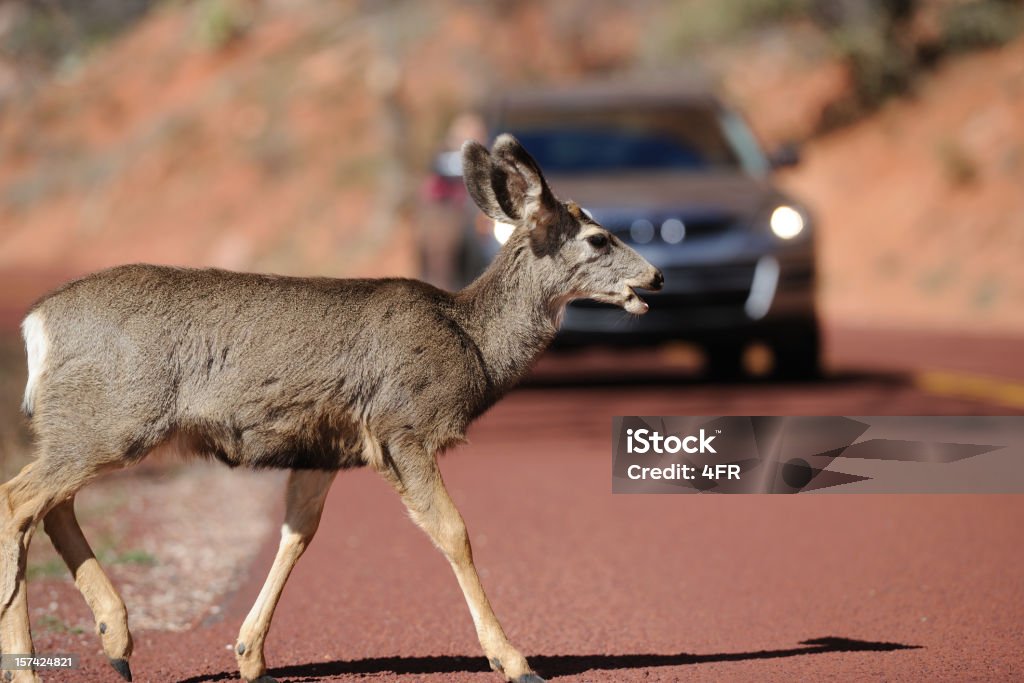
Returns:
point(292, 137)
point(922, 205)
point(259, 136)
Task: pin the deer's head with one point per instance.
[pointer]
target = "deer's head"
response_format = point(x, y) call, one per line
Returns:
point(572, 255)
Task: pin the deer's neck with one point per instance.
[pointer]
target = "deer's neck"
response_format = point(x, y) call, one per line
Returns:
point(511, 314)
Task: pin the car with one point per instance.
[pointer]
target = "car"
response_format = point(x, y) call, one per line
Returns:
point(677, 174)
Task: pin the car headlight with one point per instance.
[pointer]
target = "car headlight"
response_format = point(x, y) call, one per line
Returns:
point(786, 222)
point(502, 231)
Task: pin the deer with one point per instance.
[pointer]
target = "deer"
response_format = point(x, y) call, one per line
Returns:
point(312, 375)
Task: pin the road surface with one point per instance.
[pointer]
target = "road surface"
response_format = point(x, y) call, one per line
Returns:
point(596, 587)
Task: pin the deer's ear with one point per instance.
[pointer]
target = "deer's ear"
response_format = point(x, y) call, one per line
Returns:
point(477, 173)
point(519, 186)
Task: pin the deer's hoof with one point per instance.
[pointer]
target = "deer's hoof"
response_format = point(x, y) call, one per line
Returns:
point(121, 667)
point(264, 679)
point(530, 678)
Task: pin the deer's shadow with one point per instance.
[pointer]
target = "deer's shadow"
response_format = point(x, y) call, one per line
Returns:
point(552, 666)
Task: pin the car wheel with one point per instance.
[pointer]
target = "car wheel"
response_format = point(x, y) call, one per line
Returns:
point(798, 354)
point(723, 360)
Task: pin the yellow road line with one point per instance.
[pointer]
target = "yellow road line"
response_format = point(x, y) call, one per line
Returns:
point(977, 387)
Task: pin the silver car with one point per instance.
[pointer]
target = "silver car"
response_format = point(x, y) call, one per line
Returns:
point(680, 177)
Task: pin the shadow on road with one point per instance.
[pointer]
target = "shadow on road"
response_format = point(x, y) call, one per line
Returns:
point(553, 666)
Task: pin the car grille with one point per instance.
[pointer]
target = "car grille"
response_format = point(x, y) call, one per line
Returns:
point(695, 227)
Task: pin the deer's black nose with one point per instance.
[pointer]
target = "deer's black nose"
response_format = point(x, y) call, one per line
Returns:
point(657, 282)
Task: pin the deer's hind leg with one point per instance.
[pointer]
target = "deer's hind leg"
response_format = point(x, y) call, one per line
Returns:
point(106, 604)
point(304, 503)
point(24, 501)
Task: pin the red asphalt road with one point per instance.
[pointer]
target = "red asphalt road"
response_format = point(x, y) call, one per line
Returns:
point(596, 587)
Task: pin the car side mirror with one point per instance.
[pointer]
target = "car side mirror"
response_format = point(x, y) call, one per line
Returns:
point(785, 155)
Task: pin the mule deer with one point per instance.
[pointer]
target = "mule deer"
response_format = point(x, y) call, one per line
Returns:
point(315, 375)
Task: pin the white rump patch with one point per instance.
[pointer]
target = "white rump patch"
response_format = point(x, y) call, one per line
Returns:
point(37, 345)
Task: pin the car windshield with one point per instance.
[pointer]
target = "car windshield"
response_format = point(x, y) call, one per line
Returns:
point(635, 140)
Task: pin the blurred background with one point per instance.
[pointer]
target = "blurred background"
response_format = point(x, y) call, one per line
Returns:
point(306, 137)
point(296, 137)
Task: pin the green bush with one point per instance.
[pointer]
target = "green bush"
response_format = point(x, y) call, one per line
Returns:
point(689, 25)
point(981, 24)
point(959, 167)
point(221, 22)
point(879, 68)
point(44, 33)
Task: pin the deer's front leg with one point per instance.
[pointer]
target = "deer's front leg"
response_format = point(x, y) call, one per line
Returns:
point(430, 506)
point(307, 490)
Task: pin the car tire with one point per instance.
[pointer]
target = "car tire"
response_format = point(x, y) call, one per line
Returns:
point(798, 353)
point(723, 360)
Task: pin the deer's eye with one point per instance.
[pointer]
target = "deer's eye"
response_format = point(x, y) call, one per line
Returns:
point(598, 240)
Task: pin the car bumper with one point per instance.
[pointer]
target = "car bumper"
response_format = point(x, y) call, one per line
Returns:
point(760, 297)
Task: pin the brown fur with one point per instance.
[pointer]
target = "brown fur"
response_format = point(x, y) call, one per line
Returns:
point(310, 374)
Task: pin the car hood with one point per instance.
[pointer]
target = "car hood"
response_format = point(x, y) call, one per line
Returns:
point(735, 193)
